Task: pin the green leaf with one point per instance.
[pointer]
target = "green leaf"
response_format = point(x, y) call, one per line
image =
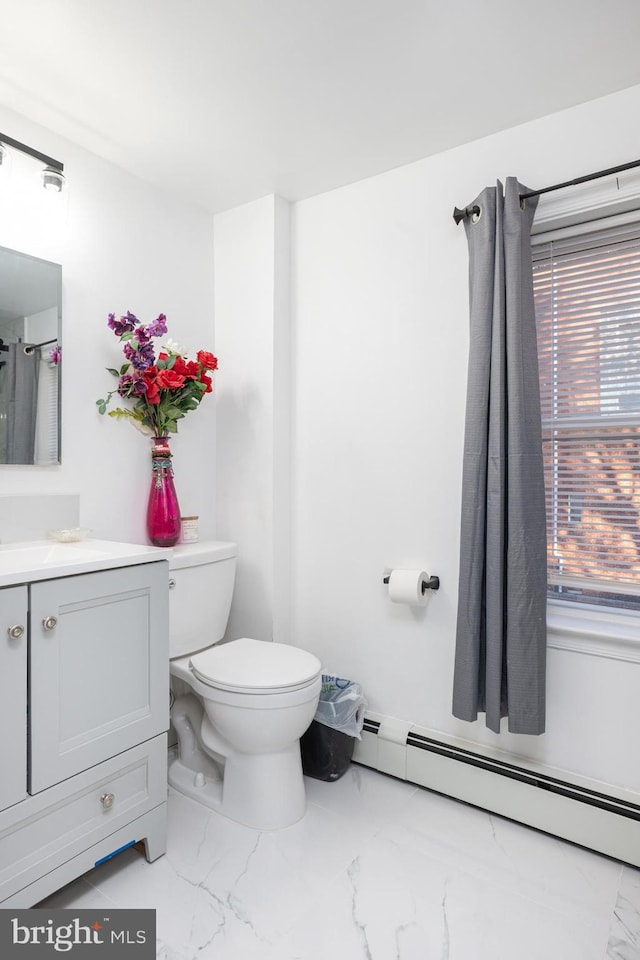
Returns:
point(119, 413)
point(114, 372)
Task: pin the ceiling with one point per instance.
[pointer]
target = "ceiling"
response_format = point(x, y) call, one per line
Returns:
point(224, 101)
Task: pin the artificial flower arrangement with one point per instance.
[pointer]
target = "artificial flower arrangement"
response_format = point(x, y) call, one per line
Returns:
point(162, 388)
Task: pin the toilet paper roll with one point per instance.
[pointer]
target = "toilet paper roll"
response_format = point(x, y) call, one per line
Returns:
point(405, 586)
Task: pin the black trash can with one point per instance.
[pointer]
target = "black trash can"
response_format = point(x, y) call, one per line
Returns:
point(327, 746)
point(326, 753)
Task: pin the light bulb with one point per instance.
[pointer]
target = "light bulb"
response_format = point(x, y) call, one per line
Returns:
point(52, 179)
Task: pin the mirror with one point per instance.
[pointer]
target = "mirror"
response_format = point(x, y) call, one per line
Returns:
point(30, 332)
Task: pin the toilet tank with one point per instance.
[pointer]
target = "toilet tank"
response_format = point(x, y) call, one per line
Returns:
point(201, 577)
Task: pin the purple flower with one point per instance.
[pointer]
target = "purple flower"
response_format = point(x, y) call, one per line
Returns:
point(146, 357)
point(158, 327)
point(124, 325)
point(139, 387)
point(132, 385)
point(55, 355)
point(125, 385)
point(141, 335)
point(141, 358)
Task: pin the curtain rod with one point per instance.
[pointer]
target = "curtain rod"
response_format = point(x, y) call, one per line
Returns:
point(459, 215)
point(30, 347)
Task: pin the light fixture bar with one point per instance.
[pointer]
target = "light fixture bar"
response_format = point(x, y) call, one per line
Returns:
point(49, 161)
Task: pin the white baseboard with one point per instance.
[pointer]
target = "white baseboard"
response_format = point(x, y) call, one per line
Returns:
point(595, 815)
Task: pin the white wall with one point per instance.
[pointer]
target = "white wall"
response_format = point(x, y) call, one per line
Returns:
point(253, 468)
point(380, 320)
point(123, 245)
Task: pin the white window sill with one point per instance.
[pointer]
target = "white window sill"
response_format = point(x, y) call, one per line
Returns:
point(594, 631)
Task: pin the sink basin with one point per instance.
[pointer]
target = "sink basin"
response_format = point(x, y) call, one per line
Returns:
point(44, 559)
point(24, 556)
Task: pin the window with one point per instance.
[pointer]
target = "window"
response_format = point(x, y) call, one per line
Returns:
point(587, 296)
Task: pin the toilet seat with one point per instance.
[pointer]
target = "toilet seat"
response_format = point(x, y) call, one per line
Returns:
point(255, 666)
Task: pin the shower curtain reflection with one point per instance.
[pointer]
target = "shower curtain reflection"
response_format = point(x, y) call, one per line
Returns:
point(19, 387)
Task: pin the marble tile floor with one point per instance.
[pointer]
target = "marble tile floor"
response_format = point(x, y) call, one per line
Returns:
point(378, 869)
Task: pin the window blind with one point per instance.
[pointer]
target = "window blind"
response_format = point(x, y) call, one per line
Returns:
point(46, 446)
point(587, 296)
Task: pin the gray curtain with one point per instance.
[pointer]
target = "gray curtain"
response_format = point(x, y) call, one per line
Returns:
point(501, 630)
point(22, 400)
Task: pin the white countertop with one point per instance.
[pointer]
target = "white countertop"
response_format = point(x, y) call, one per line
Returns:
point(45, 559)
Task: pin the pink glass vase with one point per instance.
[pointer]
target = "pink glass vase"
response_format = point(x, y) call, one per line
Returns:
point(163, 511)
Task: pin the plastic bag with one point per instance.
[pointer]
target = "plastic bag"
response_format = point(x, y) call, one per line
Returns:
point(341, 706)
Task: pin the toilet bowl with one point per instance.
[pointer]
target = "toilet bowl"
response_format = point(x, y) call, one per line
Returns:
point(240, 707)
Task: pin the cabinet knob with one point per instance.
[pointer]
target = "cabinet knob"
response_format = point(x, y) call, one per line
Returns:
point(107, 800)
point(49, 623)
point(16, 632)
point(172, 584)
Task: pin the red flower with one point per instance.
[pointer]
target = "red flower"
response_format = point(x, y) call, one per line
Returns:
point(188, 370)
point(169, 380)
point(207, 381)
point(153, 391)
point(208, 361)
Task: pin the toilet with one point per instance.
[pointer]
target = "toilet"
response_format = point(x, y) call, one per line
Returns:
point(239, 707)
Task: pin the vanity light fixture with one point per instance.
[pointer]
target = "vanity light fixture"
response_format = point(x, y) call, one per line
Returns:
point(52, 175)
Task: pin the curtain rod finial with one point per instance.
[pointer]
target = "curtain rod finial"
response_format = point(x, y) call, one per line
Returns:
point(473, 211)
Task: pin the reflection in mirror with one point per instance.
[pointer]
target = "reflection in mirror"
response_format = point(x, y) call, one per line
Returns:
point(30, 353)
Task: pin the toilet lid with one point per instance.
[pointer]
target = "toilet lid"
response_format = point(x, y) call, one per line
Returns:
point(255, 666)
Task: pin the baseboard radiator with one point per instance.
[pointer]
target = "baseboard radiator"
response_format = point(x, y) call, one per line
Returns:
point(592, 814)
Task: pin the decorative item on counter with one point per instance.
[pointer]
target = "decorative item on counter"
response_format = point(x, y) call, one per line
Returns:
point(163, 512)
point(189, 529)
point(162, 390)
point(69, 535)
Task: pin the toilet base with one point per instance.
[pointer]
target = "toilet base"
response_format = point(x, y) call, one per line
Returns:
point(206, 787)
point(264, 791)
point(264, 788)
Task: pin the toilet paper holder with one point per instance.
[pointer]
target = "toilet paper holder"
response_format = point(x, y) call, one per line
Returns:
point(433, 583)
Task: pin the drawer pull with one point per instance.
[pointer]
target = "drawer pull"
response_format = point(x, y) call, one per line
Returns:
point(16, 632)
point(172, 584)
point(49, 623)
point(107, 800)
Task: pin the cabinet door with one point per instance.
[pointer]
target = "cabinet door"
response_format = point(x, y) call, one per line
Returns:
point(13, 695)
point(99, 668)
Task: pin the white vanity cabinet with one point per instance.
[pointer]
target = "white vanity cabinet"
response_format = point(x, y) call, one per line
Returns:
point(13, 695)
point(98, 669)
point(84, 705)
